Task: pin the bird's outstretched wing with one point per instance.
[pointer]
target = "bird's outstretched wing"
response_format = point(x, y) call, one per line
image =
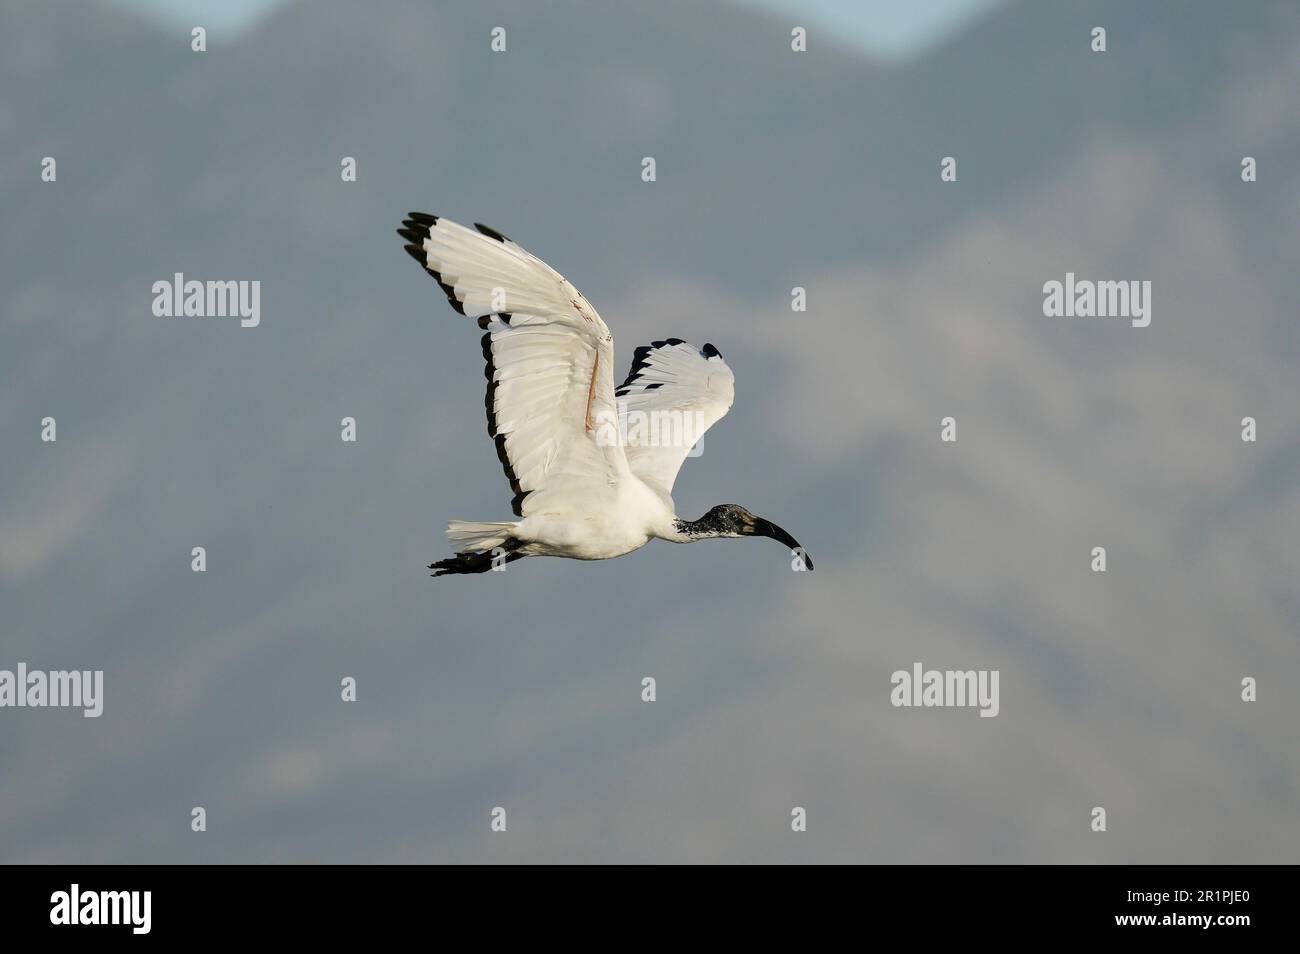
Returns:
point(550, 391)
point(673, 394)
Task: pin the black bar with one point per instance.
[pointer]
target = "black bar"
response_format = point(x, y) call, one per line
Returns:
point(333, 903)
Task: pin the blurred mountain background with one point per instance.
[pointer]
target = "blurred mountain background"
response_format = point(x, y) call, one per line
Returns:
point(775, 169)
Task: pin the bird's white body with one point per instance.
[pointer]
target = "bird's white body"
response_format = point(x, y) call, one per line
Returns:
point(635, 516)
point(592, 466)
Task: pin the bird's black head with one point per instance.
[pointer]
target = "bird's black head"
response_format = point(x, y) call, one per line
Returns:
point(733, 520)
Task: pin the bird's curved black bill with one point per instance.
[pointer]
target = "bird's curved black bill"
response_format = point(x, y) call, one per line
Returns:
point(766, 528)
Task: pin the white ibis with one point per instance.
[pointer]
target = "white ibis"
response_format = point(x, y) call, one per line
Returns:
point(592, 467)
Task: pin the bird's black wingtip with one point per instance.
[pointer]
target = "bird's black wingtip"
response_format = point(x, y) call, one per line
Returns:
point(490, 232)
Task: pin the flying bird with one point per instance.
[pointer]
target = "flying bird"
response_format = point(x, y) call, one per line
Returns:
point(592, 466)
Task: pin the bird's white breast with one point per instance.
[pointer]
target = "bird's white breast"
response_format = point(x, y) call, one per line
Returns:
point(591, 530)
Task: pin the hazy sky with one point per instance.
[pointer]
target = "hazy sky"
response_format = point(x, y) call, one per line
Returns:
point(886, 28)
